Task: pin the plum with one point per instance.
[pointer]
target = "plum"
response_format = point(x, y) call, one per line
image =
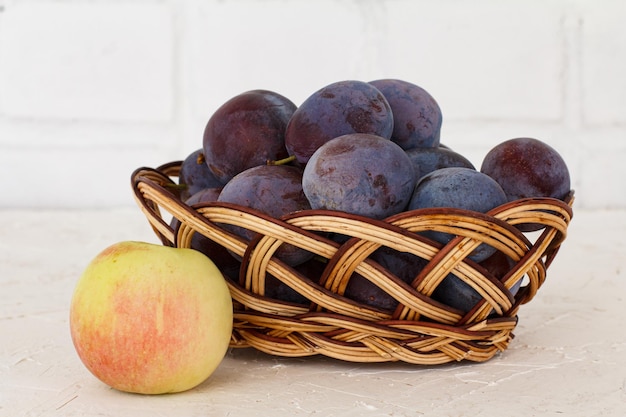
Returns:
point(275, 190)
point(246, 131)
point(461, 188)
point(455, 293)
point(364, 291)
point(359, 173)
point(527, 167)
point(417, 117)
point(204, 195)
point(337, 109)
point(214, 251)
point(404, 265)
point(276, 289)
point(427, 160)
point(196, 175)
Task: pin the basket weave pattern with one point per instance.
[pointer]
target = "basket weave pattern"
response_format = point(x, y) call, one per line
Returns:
point(420, 330)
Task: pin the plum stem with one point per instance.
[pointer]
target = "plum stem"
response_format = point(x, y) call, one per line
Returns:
point(283, 161)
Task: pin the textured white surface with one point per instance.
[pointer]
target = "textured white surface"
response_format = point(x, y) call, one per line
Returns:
point(568, 357)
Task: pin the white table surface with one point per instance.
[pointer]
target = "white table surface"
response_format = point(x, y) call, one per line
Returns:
point(568, 357)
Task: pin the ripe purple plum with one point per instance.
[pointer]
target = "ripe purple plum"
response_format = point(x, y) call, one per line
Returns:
point(403, 265)
point(205, 195)
point(276, 289)
point(457, 294)
point(359, 173)
point(417, 117)
point(527, 167)
point(427, 160)
point(337, 109)
point(246, 131)
point(461, 188)
point(363, 291)
point(275, 190)
point(196, 175)
point(217, 253)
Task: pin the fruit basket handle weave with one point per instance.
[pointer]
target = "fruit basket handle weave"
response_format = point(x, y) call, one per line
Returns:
point(420, 330)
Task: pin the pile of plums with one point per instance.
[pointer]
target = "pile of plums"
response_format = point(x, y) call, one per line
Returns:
point(367, 148)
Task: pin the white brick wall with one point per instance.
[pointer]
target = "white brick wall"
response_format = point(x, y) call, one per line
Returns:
point(90, 90)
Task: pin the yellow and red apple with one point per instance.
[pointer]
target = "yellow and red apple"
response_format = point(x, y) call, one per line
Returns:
point(151, 319)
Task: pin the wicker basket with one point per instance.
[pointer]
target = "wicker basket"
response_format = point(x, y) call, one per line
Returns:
point(420, 330)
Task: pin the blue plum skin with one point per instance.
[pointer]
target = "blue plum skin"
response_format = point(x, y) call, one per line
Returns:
point(403, 265)
point(204, 195)
point(340, 108)
point(461, 188)
point(275, 190)
point(361, 174)
point(457, 187)
point(526, 168)
point(246, 131)
point(455, 293)
point(427, 160)
point(416, 115)
point(214, 251)
point(196, 175)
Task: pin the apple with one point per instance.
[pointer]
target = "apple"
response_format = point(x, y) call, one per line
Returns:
point(151, 319)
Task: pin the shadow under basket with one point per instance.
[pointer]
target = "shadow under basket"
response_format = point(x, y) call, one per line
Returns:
point(324, 320)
